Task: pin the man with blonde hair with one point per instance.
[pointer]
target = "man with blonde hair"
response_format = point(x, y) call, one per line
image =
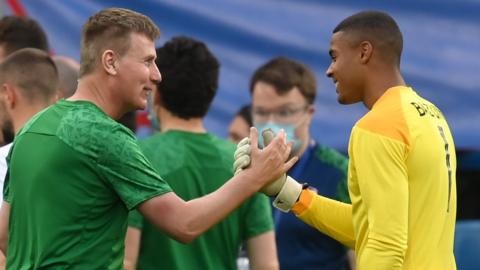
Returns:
point(75, 173)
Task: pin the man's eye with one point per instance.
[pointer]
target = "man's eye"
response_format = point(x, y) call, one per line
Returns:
point(261, 113)
point(284, 113)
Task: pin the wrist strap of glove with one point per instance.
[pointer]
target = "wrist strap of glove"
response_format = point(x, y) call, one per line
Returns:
point(288, 195)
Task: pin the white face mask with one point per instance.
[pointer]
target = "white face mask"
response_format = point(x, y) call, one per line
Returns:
point(289, 129)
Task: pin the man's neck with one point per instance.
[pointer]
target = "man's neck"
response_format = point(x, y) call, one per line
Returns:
point(22, 115)
point(95, 90)
point(377, 87)
point(172, 122)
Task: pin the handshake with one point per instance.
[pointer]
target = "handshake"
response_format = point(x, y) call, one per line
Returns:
point(285, 189)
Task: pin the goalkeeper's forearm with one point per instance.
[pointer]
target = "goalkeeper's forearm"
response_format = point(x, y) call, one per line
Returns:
point(329, 216)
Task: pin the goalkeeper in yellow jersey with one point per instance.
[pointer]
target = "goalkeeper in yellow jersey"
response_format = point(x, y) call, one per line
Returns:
point(401, 176)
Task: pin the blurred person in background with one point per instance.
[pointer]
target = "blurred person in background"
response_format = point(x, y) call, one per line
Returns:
point(18, 32)
point(194, 163)
point(283, 96)
point(239, 127)
point(28, 84)
point(68, 70)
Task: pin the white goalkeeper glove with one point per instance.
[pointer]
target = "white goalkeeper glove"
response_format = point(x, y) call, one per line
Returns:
point(285, 189)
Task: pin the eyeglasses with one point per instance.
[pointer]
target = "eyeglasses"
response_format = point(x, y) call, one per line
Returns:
point(285, 114)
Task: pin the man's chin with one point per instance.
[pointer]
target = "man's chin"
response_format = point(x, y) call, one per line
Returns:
point(341, 100)
point(142, 105)
point(345, 101)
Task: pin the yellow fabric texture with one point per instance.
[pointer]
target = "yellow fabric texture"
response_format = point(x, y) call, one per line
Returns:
point(402, 185)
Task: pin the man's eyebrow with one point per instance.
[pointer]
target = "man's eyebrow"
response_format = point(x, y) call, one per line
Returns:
point(330, 52)
point(150, 57)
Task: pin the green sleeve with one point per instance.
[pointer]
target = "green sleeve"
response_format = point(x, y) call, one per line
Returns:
point(128, 171)
point(339, 162)
point(258, 216)
point(135, 219)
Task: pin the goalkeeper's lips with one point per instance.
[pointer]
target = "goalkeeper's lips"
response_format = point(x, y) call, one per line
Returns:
point(335, 82)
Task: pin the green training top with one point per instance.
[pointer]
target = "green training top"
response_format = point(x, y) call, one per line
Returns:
point(194, 165)
point(74, 175)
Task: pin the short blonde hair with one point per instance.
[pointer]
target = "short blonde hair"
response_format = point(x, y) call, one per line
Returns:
point(111, 28)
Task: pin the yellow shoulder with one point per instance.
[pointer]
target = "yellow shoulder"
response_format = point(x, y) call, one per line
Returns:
point(387, 117)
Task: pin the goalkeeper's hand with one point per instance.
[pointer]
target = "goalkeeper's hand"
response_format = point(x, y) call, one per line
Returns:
point(285, 189)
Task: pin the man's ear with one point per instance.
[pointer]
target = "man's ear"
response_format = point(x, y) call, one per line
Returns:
point(109, 62)
point(366, 51)
point(10, 95)
point(311, 112)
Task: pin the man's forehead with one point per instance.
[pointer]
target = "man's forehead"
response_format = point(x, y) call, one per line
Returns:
point(338, 37)
point(343, 39)
point(277, 101)
point(141, 44)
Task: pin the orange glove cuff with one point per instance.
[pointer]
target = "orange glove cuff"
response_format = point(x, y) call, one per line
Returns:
point(304, 202)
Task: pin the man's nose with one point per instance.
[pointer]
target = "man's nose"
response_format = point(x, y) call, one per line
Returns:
point(156, 76)
point(329, 72)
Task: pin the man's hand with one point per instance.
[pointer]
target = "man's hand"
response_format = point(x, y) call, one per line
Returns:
point(269, 163)
point(273, 188)
point(284, 188)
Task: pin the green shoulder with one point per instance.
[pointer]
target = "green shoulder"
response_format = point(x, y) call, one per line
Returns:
point(339, 161)
point(332, 157)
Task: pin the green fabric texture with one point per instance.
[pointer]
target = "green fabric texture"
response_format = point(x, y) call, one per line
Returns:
point(194, 165)
point(334, 158)
point(74, 174)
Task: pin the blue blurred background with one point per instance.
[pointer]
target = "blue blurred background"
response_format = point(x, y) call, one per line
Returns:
point(441, 52)
point(441, 60)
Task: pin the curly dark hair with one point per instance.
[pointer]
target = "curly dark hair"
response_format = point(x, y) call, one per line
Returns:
point(189, 77)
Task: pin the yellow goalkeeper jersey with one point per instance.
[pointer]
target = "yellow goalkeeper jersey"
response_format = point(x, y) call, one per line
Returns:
point(402, 186)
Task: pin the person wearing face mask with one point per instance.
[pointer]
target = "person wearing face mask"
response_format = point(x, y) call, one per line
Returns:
point(194, 162)
point(283, 93)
